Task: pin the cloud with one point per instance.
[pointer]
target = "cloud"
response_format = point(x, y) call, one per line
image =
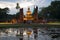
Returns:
point(9, 0)
point(26, 4)
point(12, 6)
point(6, 4)
point(23, 4)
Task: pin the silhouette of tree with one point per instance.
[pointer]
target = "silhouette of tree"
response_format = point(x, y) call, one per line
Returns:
point(3, 14)
point(52, 11)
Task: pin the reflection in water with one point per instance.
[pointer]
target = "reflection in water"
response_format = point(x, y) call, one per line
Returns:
point(19, 33)
point(9, 38)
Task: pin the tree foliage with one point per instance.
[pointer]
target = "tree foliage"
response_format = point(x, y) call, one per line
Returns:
point(3, 14)
point(52, 11)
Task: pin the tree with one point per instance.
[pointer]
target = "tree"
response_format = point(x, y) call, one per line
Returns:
point(53, 11)
point(6, 10)
point(3, 14)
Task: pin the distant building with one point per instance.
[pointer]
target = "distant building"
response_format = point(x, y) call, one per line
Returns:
point(28, 18)
point(35, 15)
point(20, 20)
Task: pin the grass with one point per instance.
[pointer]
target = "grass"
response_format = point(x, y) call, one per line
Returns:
point(54, 23)
point(29, 25)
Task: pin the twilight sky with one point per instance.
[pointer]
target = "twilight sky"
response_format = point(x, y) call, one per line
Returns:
point(23, 4)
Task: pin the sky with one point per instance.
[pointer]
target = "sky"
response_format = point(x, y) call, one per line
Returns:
point(11, 4)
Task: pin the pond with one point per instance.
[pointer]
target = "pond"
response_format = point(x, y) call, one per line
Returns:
point(29, 33)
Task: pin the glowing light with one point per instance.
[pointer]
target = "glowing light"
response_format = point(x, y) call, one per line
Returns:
point(10, 31)
point(29, 33)
point(24, 33)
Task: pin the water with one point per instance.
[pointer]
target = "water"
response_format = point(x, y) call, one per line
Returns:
point(40, 37)
point(12, 34)
point(9, 38)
